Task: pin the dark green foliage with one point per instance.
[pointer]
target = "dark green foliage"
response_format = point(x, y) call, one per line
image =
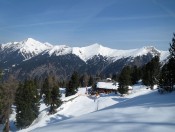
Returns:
point(125, 76)
point(124, 80)
point(84, 80)
point(73, 84)
point(115, 77)
point(27, 104)
point(91, 81)
point(123, 89)
point(136, 74)
point(0, 75)
point(46, 90)
point(167, 77)
point(70, 90)
point(172, 47)
point(55, 99)
point(151, 72)
point(51, 94)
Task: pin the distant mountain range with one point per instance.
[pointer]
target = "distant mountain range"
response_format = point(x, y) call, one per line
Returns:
point(33, 58)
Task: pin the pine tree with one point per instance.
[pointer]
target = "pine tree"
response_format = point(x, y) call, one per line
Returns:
point(172, 47)
point(167, 80)
point(55, 99)
point(0, 75)
point(114, 77)
point(84, 80)
point(73, 84)
point(172, 61)
point(151, 72)
point(124, 80)
point(51, 94)
point(135, 75)
point(91, 81)
point(27, 104)
point(46, 91)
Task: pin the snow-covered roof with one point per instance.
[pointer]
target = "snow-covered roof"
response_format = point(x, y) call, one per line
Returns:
point(107, 85)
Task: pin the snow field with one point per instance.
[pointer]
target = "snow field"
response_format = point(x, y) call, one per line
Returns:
point(142, 110)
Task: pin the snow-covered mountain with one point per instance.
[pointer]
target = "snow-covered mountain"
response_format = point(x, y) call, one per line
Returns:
point(33, 57)
point(30, 48)
point(86, 53)
point(27, 48)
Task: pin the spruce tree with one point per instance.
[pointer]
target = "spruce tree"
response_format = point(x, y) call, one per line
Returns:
point(51, 94)
point(27, 104)
point(167, 80)
point(84, 80)
point(124, 80)
point(91, 81)
point(151, 72)
point(172, 47)
point(55, 99)
point(73, 84)
point(172, 61)
point(46, 90)
point(135, 75)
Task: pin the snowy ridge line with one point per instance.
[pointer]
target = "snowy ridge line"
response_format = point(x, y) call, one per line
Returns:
point(30, 48)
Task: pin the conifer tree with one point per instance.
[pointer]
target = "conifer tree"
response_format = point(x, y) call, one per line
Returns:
point(55, 99)
point(135, 75)
point(51, 94)
point(84, 80)
point(167, 79)
point(172, 61)
point(151, 72)
point(46, 90)
point(27, 104)
point(73, 84)
point(91, 81)
point(124, 80)
point(172, 47)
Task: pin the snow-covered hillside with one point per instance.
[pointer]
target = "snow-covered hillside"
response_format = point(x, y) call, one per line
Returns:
point(142, 110)
point(30, 48)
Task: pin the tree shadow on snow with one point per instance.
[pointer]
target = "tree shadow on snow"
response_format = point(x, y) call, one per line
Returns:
point(153, 99)
point(57, 118)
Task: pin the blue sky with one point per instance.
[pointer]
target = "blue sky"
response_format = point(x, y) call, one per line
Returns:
point(119, 24)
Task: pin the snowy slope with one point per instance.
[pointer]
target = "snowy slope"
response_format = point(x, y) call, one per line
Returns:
point(30, 48)
point(145, 111)
point(81, 106)
point(86, 53)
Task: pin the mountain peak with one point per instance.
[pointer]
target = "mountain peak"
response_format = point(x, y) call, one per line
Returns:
point(30, 41)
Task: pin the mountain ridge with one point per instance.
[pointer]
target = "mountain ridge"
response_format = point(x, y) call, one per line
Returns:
point(31, 58)
point(33, 47)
